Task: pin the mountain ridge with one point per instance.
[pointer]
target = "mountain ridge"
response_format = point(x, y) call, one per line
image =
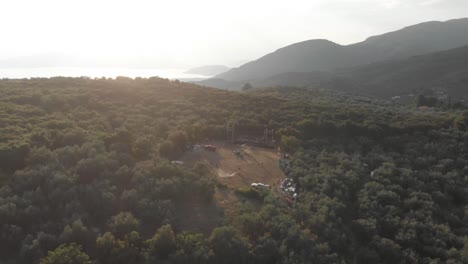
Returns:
point(442, 72)
point(324, 55)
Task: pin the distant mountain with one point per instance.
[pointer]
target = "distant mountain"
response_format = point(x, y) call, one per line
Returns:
point(209, 70)
point(324, 55)
point(442, 73)
point(413, 40)
point(307, 56)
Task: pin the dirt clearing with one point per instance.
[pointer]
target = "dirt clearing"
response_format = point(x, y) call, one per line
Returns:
point(238, 166)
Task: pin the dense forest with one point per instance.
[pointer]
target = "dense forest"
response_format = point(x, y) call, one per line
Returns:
point(86, 175)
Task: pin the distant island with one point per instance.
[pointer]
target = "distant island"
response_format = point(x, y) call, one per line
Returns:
point(208, 70)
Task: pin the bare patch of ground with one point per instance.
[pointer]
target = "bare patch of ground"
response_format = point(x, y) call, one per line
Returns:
point(250, 165)
point(253, 164)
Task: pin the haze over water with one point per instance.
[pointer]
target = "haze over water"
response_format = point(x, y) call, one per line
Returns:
point(47, 72)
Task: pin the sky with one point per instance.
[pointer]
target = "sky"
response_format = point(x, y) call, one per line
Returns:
point(188, 33)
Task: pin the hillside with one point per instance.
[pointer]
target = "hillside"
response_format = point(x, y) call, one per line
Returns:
point(413, 40)
point(296, 79)
point(220, 83)
point(305, 56)
point(444, 72)
point(323, 55)
point(441, 73)
point(208, 70)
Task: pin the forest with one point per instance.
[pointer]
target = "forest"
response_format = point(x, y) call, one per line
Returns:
point(86, 175)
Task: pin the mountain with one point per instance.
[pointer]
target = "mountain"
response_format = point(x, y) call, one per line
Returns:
point(209, 70)
point(440, 73)
point(324, 55)
point(311, 55)
point(296, 79)
point(413, 40)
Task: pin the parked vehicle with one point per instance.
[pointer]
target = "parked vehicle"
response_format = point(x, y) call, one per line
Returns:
point(210, 147)
point(259, 185)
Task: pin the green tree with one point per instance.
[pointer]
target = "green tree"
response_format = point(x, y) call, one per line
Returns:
point(252, 225)
point(163, 243)
point(179, 141)
point(191, 248)
point(123, 223)
point(461, 121)
point(13, 155)
point(247, 87)
point(228, 247)
point(289, 144)
point(142, 147)
point(109, 249)
point(79, 233)
point(465, 247)
point(66, 254)
point(168, 150)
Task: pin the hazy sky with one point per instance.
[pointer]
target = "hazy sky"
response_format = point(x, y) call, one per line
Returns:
point(177, 33)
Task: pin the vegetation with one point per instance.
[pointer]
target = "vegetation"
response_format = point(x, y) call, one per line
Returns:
point(85, 176)
point(66, 254)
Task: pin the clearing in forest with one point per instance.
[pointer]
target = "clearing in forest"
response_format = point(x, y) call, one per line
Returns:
point(237, 166)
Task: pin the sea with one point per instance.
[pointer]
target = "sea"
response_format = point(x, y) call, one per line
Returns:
point(47, 72)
